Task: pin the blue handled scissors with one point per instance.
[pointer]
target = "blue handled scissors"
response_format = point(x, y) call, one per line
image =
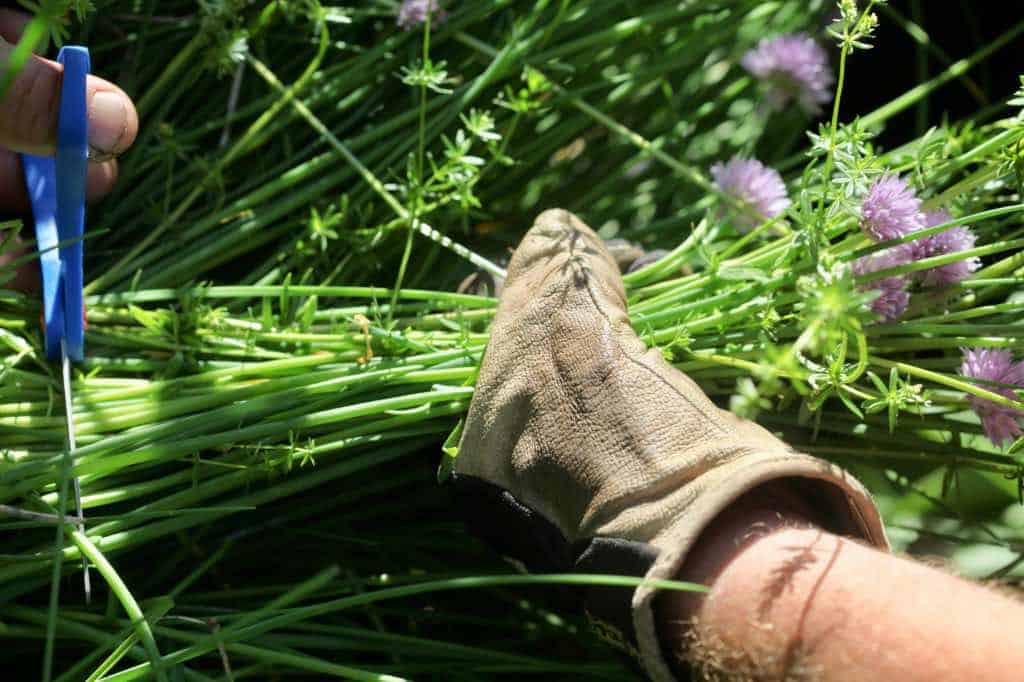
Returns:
point(56, 187)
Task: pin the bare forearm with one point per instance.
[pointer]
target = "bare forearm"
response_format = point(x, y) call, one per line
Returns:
point(800, 603)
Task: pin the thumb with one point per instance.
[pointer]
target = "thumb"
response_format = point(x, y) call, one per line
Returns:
point(29, 110)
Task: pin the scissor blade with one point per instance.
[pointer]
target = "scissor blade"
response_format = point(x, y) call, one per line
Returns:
point(69, 416)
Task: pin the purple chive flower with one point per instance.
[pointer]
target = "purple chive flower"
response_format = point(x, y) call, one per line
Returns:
point(953, 240)
point(890, 210)
point(1001, 423)
point(413, 13)
point(893, 297)
point(792, 66)
point(753, 184)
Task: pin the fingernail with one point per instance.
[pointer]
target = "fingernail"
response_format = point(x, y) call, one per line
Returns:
point(108, 118)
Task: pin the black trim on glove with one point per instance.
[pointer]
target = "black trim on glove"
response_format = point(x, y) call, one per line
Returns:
point(512, 529)
point(509, 527)
point(612, 556)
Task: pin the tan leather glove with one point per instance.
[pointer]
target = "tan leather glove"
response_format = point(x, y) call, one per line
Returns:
point(585, 451)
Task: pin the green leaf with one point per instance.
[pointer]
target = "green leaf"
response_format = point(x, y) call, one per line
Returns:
point(850, 404)
point(152, 321)
point(154, 610)
point(877, 382)
point(267, 313)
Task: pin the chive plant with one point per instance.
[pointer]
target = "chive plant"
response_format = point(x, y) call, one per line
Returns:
point(277, 355)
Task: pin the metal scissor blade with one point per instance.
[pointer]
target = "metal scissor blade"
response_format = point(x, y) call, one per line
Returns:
point(69, 416)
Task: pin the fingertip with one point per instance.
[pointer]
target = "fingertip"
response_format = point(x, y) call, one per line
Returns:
point(113, 120)
point(100, 179)
point(13, 195)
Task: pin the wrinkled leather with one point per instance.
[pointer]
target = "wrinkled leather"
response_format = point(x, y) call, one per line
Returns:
point(582, 423)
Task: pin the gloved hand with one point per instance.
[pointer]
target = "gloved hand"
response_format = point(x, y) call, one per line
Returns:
point(585, 451)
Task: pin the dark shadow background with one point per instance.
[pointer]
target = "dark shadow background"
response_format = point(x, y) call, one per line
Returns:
point(957, 28)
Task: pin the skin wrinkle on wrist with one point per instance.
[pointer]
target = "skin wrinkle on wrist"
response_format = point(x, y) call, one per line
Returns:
point(754, 516)
point(794, 631)
point(694, 634)
point(797, 602)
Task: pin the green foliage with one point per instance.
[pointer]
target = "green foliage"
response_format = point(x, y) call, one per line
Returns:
point(898, 396)
point(276, 358)
point(53, 15)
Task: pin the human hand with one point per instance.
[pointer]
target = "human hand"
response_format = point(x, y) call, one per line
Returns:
point(28, 124)
point(585, 451)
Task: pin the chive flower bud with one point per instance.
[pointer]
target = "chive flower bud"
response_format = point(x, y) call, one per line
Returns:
point(754, 185)
point(890, 210)
point(414, 13)
point(1001, 423)
point(791, 67)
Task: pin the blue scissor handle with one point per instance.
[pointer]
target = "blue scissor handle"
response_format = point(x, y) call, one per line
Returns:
point(72, 157)
point(56, 187)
